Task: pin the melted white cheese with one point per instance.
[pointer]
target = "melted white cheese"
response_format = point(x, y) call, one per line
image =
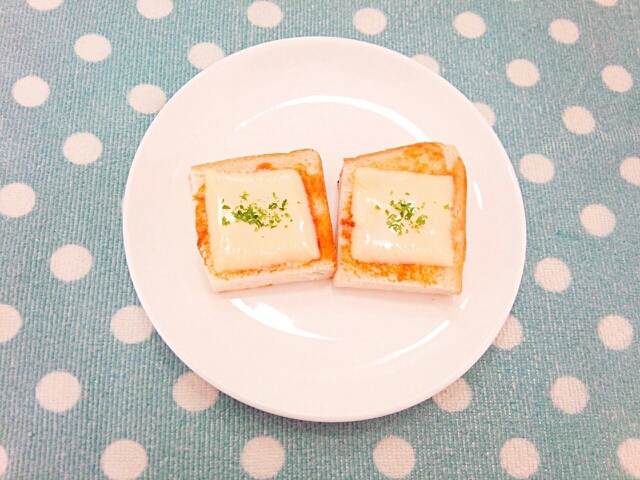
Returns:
point(237, 245)
point(373, 241)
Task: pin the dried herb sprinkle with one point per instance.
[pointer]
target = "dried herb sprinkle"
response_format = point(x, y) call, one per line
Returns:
point(403, 216)
point(252, 213)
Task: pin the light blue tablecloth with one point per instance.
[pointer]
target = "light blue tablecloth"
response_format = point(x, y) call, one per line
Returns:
point(87, 389)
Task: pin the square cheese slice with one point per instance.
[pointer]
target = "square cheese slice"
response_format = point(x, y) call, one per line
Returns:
point(259, 219)
point(402, 217)
point(402, 220)
point(263, 220)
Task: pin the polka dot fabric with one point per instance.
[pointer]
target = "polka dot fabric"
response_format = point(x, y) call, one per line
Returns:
point(89, 390)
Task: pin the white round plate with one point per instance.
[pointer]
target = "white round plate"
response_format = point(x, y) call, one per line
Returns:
point(308, 350)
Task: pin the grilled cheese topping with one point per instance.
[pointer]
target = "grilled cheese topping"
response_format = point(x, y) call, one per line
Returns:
point(402, 217)
point(259, 219)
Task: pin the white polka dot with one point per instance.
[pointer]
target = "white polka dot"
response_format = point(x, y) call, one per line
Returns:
point(262, 457)
point(70, 263)
point(370, 21)
point(617, 78)
point(629, 456)
point(487, 112)
point(44, 4)
point(154, 9)
point(82, 148)
point(455, 398)
point(4, 460)
point(194, 394)
point(16, 200)
point(469, 25)
point(615, 332)
point(598, 220)
point(124, 460)
point(607, 3)
point(394, 457)
point(92, 48)
point(630, 170)
point(511, 334)
point(203, 55)
point(564, 31)
point(569, 395)
point(428, 62)
point(578, 120)
point(519, 458)
point(553, 275)
point(146, 98)
point(10, 322)
point(30, 91)
point(523, 73)
point(536, 168)
point(264, 14)
point(58, 391)
point(131, 325)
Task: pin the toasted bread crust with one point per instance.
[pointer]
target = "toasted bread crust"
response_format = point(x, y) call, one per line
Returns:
point(427, 158)
point(309, 165)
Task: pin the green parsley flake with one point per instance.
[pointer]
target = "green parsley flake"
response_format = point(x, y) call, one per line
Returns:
point(404, 216)
point(446, 207)
point(255, 214)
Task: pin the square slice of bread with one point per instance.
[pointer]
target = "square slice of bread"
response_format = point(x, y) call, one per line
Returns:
point(308, 165)
point(424, 158)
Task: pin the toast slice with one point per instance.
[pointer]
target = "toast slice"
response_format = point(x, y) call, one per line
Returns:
point(413, 239)
point(273, 227)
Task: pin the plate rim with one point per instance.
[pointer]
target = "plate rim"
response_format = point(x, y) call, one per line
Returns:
point(409, 402)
